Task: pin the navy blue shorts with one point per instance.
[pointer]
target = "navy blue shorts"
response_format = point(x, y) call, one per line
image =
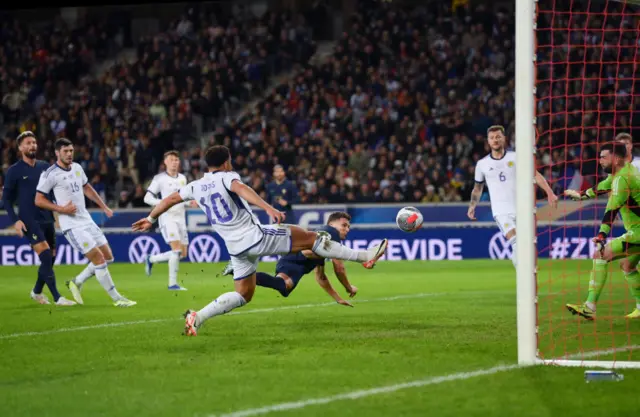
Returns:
point(292, 271)
point(41, 232)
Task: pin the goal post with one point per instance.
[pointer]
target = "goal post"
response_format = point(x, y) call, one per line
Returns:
point(577, 85)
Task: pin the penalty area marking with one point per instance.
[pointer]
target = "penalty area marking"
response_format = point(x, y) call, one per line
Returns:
point(235, 313)
point(354, 395)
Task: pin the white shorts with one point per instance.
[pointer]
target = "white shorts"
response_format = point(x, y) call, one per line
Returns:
point(85, 238)
point(172, 231)
point(506, 222)
point(276, 241)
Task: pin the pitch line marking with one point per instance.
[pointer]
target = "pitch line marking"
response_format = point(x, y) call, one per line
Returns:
point(253, 311)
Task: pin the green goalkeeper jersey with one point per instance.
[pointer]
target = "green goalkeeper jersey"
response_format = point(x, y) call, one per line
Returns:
point(624, 199)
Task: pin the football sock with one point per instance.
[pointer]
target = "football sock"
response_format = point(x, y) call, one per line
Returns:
point(221, 305)
point(633, 279)
point(161, 257)
point(512, 242)
point(46, 275)
point(174, 262)
point(104, 278)
point(334, 250)
point(86, 273)
point(265, 280)
point(597, 281)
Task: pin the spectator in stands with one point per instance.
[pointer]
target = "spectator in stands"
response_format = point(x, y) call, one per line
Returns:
point(282, 194)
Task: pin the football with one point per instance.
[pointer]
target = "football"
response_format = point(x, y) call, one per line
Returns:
point(409, 219)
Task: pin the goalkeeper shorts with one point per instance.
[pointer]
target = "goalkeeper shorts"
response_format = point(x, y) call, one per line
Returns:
point(626, 245)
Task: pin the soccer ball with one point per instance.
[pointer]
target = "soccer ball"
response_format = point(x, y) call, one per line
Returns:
point(409, 219)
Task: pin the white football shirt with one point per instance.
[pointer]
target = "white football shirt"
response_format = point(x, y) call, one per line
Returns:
point(500, 177)
point(161, 187)
point(636, 162)
point(67, 186)
point(229, 215)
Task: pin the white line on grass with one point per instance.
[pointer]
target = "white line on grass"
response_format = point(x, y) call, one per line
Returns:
point(257, 310)
point(354, 395)
point(596, 353)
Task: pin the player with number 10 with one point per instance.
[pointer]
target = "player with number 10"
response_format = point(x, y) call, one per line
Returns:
point(223, 196)
point(498, 170)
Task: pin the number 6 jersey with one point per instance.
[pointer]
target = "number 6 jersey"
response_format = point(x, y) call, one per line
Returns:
point(500, 176)
point(229, 215)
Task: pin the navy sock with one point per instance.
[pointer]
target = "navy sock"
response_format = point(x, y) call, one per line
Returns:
point(45, 273)
point(269, 281)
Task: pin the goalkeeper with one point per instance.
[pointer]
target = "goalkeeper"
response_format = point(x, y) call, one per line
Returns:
point(624, 199)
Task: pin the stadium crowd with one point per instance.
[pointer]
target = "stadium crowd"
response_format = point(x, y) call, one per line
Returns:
point(398, 114)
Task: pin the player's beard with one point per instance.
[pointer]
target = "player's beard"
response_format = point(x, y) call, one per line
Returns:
point(30, 155)
point(608, 170)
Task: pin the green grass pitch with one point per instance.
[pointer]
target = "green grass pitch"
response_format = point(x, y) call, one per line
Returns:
point(412, 321)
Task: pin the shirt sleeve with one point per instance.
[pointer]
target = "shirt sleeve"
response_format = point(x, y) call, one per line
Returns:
point(479, 175)
point(9, 195)
point(617, 199)
point(83, 176)
point(229, 177)
point(187, 193)
point(154, 187)
point(45, 184)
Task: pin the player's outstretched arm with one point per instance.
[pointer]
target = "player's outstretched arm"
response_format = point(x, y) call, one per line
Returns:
point(252, 197)
point(323, 281)
point(93, 195)
point(475, 199)
point(341, 274)
point(542, 183)
point(603, 187)
point(164, 205)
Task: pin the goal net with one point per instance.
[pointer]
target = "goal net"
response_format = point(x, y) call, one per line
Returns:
point(587, 90)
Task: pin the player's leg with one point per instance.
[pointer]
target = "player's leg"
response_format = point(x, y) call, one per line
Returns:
point(629, 266)
point(171, 236)
point(322, 245)
point(507, 225)
point(40, 243)
point(244, 281)
point(281, 282)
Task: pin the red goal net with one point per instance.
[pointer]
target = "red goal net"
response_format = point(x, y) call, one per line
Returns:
point(587, 92)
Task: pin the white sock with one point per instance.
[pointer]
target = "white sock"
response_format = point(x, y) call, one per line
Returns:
point(161, 257)
point(221, 305)
point(104, 278)
point(512, 242)
point(174, 262)
point(334, 250)
point(591, 305)
point(85, 274)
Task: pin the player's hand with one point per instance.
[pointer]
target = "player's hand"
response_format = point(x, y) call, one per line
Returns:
point(352, 291)
point(344, 303)
point(68, 208)
point(600, 241)
point(283, 202)
point(572, 194)
point(275, 215)
point(20, 228)
point(553, 200)
point(141, 225)
point(471, 213)
point(108, 212)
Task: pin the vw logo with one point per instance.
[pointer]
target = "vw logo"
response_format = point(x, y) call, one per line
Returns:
point(499, 247)
point(204, 248)
point(141, 247)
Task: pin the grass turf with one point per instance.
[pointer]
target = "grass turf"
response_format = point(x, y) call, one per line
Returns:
point(411, 321)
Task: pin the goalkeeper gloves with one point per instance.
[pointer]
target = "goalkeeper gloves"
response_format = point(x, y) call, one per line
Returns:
point(576, 195)
point(600, 241)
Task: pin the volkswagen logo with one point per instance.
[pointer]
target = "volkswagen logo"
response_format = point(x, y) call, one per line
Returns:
point(499, 247)
point(204, 248)
point(141, 247)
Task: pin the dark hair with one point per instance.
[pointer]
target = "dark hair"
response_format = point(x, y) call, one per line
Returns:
point(26, 134)
point(335, 216)
point(217, 155)
point(616, 148)
point(624, 136)
point(61, 143)
point(495, 128)
point(171, 153)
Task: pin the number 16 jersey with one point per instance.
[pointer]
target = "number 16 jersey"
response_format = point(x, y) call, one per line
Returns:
point(500, 176)
point(229, 215)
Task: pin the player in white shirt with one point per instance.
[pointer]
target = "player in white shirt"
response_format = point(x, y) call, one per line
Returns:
point(224, 198)
point(173, 225)
point(627, 139)
point(498, 170)
point(70, 185)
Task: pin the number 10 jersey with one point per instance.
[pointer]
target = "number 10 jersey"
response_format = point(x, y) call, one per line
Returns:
point(500, 176)
point(229, 215)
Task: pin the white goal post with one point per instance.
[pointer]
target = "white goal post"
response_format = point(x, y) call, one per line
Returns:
point(526, 13)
